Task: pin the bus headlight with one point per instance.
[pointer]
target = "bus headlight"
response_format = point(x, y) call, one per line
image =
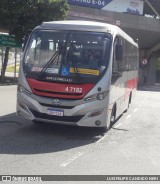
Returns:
point(22, 89)
point(99, 96)
point(90, 98)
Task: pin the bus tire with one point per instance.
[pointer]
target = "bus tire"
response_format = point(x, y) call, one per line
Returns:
point(130, 98)
point(113, 116)
point(129, 102)
point(112, 120)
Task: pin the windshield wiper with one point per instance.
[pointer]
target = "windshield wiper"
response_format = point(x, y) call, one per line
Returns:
point(52, 60)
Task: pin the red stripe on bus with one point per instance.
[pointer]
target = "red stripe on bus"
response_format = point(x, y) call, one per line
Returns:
point(59, 90)
point(130, 86)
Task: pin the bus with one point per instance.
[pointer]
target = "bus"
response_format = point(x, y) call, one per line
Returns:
point(76, 72)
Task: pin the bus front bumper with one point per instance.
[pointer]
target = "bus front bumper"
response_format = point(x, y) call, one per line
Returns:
point(87, 115)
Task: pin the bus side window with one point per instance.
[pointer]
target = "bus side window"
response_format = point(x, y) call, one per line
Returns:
point(115, 63)
point(117, 57)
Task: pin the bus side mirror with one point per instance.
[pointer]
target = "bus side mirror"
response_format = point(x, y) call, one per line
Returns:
point(25, 39)
point(119, 52)
point(24, 43)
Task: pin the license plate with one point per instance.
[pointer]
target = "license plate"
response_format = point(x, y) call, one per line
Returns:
point(55, 112)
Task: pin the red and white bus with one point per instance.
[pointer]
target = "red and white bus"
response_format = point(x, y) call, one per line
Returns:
point(77, 73)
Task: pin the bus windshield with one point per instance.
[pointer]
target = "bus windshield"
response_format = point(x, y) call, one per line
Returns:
point(67, 56)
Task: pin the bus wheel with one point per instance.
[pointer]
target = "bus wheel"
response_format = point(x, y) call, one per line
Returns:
point(112, 120)
point(130, 98)
point(113, 116)
point(129, 102)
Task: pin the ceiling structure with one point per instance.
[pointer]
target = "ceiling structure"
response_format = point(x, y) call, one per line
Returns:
point(152, 7)
point(147, 38)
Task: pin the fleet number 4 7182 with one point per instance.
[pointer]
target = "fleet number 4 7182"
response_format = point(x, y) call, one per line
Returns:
point(74, 90)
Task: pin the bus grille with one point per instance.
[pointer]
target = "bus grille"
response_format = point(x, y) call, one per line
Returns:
point(63, 107)
point(57, 118)
point(59, 93)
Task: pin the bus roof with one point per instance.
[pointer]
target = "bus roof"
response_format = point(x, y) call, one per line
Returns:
point(79, 25)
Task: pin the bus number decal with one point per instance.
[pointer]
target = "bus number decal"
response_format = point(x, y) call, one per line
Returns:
point(74, 90)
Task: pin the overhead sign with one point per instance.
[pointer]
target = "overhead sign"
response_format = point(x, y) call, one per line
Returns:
point(125, 6)
point(98, 4)
point(8, 41)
